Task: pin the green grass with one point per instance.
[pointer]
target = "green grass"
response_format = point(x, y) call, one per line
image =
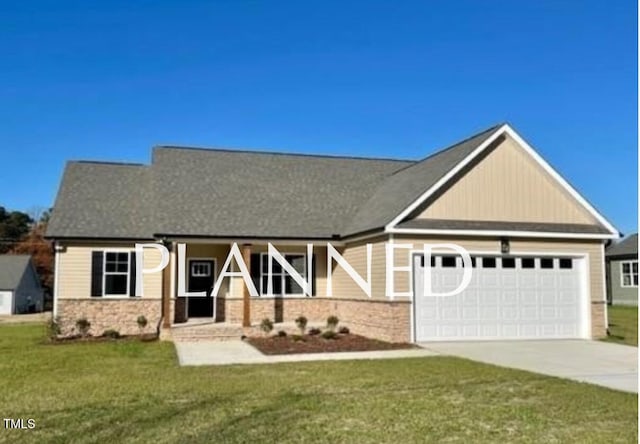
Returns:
point(135, 392)
point(623, 325)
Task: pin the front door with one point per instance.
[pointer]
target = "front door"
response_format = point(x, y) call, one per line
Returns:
point(201, 278)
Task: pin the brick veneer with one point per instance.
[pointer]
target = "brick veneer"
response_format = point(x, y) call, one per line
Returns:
point(104, 314)
point(386, 320)
point(598, 319)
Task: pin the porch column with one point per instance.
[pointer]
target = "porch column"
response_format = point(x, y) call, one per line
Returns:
point(166, 290)
point(246, 297)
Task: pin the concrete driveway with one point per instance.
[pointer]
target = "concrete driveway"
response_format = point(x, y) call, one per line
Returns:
point(601, 363)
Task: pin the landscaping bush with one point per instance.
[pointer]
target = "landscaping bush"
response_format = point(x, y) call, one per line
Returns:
point(53, 327)
point(314, 331)
point(142, 323)
point(282, 334)
point(111, 333)
point(332, 322)
point(330, 334)
point(301, 322)
point(297, 338)
point(266, 325)
point(83, 326)
point(344, 330)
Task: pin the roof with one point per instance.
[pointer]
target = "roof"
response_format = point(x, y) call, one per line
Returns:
point(627, 247)
point(442, 224)
point(12, 268)
point(230, 193)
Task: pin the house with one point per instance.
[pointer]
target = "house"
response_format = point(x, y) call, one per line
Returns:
point(622, 271)
point(536, 244)
point(20, 290)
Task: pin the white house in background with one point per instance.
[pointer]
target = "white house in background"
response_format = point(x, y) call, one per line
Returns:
point(20, 290)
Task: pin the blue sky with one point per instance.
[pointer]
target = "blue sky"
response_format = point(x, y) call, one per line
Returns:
point(108, 80)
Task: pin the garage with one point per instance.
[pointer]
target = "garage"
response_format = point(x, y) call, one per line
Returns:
point(6, 302)
point(509, 297)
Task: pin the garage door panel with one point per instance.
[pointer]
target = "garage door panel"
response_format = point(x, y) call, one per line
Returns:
point(503, 303)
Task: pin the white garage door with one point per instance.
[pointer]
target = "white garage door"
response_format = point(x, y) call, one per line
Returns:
point(524, 297)
point(5, 302)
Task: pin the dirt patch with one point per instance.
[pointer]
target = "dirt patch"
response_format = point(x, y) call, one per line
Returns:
point(279, 345)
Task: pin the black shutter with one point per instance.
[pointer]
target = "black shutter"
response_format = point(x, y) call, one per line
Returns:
point(255, 270)
point(96, 273)
point(132, 278)
point(313, 275)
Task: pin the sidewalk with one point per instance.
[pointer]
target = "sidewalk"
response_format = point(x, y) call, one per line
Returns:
point(239, 352)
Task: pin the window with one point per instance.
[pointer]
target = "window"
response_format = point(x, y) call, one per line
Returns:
point(200, 269)
point(528, 262)
point(566, 263)
point(116, 273)
point(508, 262)
point(546, 263)
point(488, 262)
point(448, 261)
point(629, 273)
point(283, 284)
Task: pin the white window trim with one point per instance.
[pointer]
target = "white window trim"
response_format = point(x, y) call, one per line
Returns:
point(104, 274)
point(282, 275)
point(622, 263)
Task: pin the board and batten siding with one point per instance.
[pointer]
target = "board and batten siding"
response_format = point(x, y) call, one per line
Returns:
point(593, 250)
point(74, 268)
point(508, 185)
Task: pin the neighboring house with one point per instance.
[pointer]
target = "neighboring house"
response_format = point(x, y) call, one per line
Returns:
point(537, 245)
point(622, 271)
point(20, 290)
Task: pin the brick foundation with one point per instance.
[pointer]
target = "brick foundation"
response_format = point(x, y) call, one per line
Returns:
point(105, 314)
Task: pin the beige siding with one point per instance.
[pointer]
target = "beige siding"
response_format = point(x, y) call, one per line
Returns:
point(74, 268)
point(356, 254)
point(508, 185)
point(593, 249)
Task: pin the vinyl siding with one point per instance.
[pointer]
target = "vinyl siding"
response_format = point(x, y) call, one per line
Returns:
point(621, 295)
point(74, 281)
point(356, 254)
point(508, 185)
point(28, 292)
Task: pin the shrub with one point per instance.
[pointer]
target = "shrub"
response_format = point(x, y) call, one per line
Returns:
point(266, 325)
point(332, 322)
point(344, 330)
point(111, 333)
point(282, 334)
point(301, 322)
point(53, 327)
point(83, 326)
point(330, 334)
point(142, 323)
point(314, 331)
point(297, 338)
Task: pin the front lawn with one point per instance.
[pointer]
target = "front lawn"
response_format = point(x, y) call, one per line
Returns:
point(134, 392)
point(623, 325)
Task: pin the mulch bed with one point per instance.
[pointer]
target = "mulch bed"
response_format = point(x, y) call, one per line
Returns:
point(147, 337)
point(277, 345)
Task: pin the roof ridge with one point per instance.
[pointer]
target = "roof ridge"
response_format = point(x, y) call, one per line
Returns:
point(281, 153)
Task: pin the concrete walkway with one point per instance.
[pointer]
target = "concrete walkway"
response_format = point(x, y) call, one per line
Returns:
point(239, 352)
point(602, 363)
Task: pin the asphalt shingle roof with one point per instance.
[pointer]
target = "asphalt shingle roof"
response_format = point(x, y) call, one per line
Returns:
point(627, 247)
point(12, 268)
point(226, 193)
